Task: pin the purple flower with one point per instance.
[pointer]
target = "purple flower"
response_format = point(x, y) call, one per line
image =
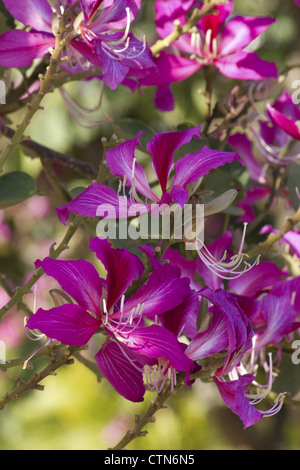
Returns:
point(273, 138)
point(231, 333)
point(106, 42)
point(102, 305)
point(218, 39)
point(104, 39)
point(122, 162)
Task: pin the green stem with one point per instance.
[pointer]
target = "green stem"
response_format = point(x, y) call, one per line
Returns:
point(45, 87)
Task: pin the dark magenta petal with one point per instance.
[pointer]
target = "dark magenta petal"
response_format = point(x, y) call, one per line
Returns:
point(70, 324)
point(164, 290)
point(183, 317)
point(78, 278)
point(123, 370)
point(121, 266)
point(19, 48)
point(211, 341)
point(234, 396)
point(162, 148)
point(157, 342)
point(37, 14)
point(191, 167)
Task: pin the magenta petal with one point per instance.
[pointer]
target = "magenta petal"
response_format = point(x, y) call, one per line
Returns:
point(164, 290)
point(243, 146)
point(279, 316)
point(70, 324)
point(162, 148)
point(287, 125)
point(121, 266)
point(123, 370)
point(95, 199)
point(246, 66)
point(255, 281)
point(233, 394)
point(169, 69)
point(120, 161)
point(157, 342)
point(19, 48)
point(211, 341)
point(240, 31)
point(78, 278)
point(37, 14)
point(193, 166)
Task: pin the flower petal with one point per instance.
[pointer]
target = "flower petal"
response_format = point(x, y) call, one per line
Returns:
point(246, 66)
point(157, 342)
point(78, 278)
point(120, 161)
point(19, 48)
point(95, 198)
point(70, 324)
point(234, 395)
point(164, 290)
point(162, 148)
point(121, 266)
point(191, 167)
point(31, 13)
point(240, 31)
point(121, 368)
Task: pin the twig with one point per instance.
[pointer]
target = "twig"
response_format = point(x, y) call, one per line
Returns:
point(35, 382)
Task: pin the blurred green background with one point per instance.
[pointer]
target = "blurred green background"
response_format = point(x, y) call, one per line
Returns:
point(75, 411)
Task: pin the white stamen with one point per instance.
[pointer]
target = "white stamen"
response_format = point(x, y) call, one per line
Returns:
point(126, 32)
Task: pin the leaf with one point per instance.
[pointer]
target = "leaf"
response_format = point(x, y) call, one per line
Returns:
point(129, 128)
point(293, 182)
point(15, 187)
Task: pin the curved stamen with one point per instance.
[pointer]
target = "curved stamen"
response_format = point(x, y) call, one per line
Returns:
point(126, 32)
point(225, 270)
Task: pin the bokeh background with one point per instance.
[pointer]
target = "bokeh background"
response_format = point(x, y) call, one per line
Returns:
point(75, 411)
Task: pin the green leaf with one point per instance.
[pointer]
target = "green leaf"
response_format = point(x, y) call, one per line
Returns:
point(129, 128)
point(15, 187)
point(293, 182)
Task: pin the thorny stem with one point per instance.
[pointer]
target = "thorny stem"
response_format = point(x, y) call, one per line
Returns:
point(45, 87)
point(148, 417)
point(35, 382)
point(196, 16)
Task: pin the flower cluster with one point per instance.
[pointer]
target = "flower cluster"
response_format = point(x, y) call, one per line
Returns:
point(164, 315)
